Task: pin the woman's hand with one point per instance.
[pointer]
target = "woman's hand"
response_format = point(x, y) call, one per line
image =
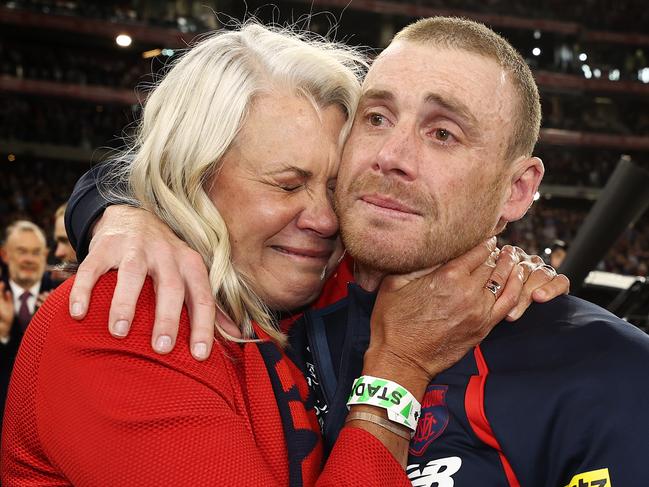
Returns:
point(137, 244)
point(426, 321)
point(542, 283)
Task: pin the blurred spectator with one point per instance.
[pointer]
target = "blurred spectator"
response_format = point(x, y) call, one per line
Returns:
point(63, 251)
point(24, 251)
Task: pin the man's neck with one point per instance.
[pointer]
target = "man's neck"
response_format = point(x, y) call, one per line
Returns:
point(367, 278)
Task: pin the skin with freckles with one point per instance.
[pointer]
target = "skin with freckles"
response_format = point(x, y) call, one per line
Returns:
point(423, 176)
point(275, 192)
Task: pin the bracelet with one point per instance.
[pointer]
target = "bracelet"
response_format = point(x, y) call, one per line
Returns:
point(379, 421)
point(401, 405)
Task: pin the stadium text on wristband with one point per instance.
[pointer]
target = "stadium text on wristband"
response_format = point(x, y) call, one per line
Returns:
point(401, 406)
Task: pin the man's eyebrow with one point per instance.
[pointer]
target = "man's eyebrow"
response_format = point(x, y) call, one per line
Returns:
point(374, 94)
point(303, 173)
point(454, 106)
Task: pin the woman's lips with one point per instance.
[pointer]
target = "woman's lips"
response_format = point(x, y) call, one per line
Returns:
point(307, 253)
point(387, 203)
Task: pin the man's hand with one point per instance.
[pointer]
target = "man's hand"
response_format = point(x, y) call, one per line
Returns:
point(6, 311)
point(137, 243)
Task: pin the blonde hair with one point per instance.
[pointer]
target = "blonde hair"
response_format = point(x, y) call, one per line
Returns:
point(193, 116)
point(470, 36)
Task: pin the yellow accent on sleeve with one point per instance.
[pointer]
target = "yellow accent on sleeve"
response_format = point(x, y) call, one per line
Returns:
point(594, 478)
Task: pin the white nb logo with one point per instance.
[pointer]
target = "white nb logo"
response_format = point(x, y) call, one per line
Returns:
point(437, 473)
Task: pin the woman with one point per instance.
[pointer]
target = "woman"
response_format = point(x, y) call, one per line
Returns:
point(271, 111)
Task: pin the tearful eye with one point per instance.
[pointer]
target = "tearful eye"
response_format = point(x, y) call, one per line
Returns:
point(442, 134)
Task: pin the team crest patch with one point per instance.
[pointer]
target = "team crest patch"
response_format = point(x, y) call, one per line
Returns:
point(433, 419)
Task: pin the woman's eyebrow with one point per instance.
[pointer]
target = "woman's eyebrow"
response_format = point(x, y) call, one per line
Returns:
point(303, 173)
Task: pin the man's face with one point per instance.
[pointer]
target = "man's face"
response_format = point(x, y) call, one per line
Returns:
point(25, 254)
point(422, 175)
point(64, 250)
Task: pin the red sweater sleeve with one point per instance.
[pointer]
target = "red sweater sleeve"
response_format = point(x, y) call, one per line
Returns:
point(88, 410)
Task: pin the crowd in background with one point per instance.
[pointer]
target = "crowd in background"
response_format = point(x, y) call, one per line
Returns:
point(33, 189)
point(83, 66)
point(547, 222)
point(625, 116)
point(62, 121)
point(175, 15)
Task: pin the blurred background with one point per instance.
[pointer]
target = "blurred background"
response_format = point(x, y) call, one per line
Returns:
point(74, 73)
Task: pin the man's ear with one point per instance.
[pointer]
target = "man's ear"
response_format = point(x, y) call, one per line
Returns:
point(526, 176)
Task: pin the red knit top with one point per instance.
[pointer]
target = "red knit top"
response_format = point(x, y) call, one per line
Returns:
point(86, 409)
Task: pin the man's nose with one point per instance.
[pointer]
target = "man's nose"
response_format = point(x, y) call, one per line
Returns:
point(397, 155)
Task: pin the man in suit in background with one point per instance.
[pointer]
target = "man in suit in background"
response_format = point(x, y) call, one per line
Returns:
point(24, 252)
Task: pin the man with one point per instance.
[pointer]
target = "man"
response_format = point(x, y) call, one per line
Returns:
point(25, 253)
point(439, 158)
point(64, 250)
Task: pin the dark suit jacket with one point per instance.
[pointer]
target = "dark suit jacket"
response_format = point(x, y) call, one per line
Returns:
point(8, 352)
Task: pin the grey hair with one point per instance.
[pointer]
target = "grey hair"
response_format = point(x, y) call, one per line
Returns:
point(25, 226)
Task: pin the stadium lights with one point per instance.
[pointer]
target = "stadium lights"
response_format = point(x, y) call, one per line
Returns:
point(536, 51)
point(547, 251)
point(537, 195)
point(597, 73)
point(123, 40)
point(614, 75)
point(11, 157)
point(583, 57)
point(537, 34)
point(587, 73)
point(643, 75)
point(168, 52)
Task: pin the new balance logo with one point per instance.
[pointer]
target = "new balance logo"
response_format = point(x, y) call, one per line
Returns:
point(436, 473)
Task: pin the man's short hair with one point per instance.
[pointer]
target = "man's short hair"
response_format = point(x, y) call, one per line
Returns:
point(25, 226)
point(60, 211)
point(476, 38)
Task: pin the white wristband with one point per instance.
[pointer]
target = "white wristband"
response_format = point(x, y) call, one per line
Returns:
point(401, 406)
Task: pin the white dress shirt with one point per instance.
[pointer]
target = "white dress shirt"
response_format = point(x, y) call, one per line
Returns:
point(18, 291)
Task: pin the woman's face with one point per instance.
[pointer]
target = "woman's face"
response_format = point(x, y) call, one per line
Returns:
point(275, 190)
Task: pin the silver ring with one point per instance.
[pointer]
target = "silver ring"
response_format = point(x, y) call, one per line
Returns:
point(552, 270)
point(493, 287)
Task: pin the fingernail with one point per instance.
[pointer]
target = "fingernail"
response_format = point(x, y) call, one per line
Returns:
point(77, 309)
point(120, 328)
point(163, 344)
point(199, 350)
